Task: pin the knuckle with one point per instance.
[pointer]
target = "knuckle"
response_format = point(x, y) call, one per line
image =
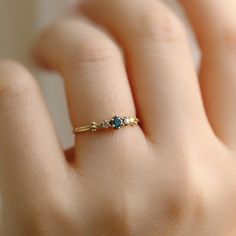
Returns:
point(93, 51)
point(15, 80)
point(183, 206)
point(48, 215)
point(80, 43)
point(36, 223)
point(160, 25)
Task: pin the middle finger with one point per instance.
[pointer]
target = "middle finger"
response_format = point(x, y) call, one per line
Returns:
point(94, 74)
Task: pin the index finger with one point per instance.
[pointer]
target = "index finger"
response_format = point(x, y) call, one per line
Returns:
point(31, 159)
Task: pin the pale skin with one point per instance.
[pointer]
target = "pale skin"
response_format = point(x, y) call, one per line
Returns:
point(174, 175)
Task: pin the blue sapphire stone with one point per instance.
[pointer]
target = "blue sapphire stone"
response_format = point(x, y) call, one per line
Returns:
point(117, 122)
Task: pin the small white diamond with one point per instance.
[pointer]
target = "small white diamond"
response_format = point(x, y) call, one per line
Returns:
point(126, 121)
point(106, 124)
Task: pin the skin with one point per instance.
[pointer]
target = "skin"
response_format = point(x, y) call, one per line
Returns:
point(174, 175)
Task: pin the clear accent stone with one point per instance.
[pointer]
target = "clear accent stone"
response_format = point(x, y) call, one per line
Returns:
point(126, 120)
point(105, 124)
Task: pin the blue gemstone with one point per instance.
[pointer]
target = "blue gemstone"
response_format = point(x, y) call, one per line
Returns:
point(117, 122)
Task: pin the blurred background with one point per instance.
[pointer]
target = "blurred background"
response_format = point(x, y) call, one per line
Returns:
point(20, 20)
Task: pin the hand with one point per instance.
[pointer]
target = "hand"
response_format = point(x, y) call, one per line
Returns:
point(173, 175)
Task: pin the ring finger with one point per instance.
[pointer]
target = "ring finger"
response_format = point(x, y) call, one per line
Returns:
point(94, 73)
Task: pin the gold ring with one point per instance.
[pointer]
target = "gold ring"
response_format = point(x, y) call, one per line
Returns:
point(116, 122)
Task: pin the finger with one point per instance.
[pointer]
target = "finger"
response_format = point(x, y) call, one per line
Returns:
point(94, 74)
point(162, 75)
point(31, 159)
point(92, 66)
point(217, 41)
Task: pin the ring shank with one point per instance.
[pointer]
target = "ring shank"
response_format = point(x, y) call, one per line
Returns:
point(82, 129)
point(116, 122)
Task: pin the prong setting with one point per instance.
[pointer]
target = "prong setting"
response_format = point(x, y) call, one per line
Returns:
point(105, 124)
point(116, 122)
point(126, 121)
point(94, 126)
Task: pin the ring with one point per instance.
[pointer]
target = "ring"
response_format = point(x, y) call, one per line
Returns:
point(116, 122)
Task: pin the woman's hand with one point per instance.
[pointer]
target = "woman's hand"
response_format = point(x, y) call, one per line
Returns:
point(173, 175)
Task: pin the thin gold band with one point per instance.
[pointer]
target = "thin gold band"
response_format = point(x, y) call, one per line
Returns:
point(116, 122)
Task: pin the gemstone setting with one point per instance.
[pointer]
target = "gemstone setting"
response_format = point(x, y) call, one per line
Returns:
point(117, 122)
point(105, 124)
point(126, 121)
point(93, 126)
